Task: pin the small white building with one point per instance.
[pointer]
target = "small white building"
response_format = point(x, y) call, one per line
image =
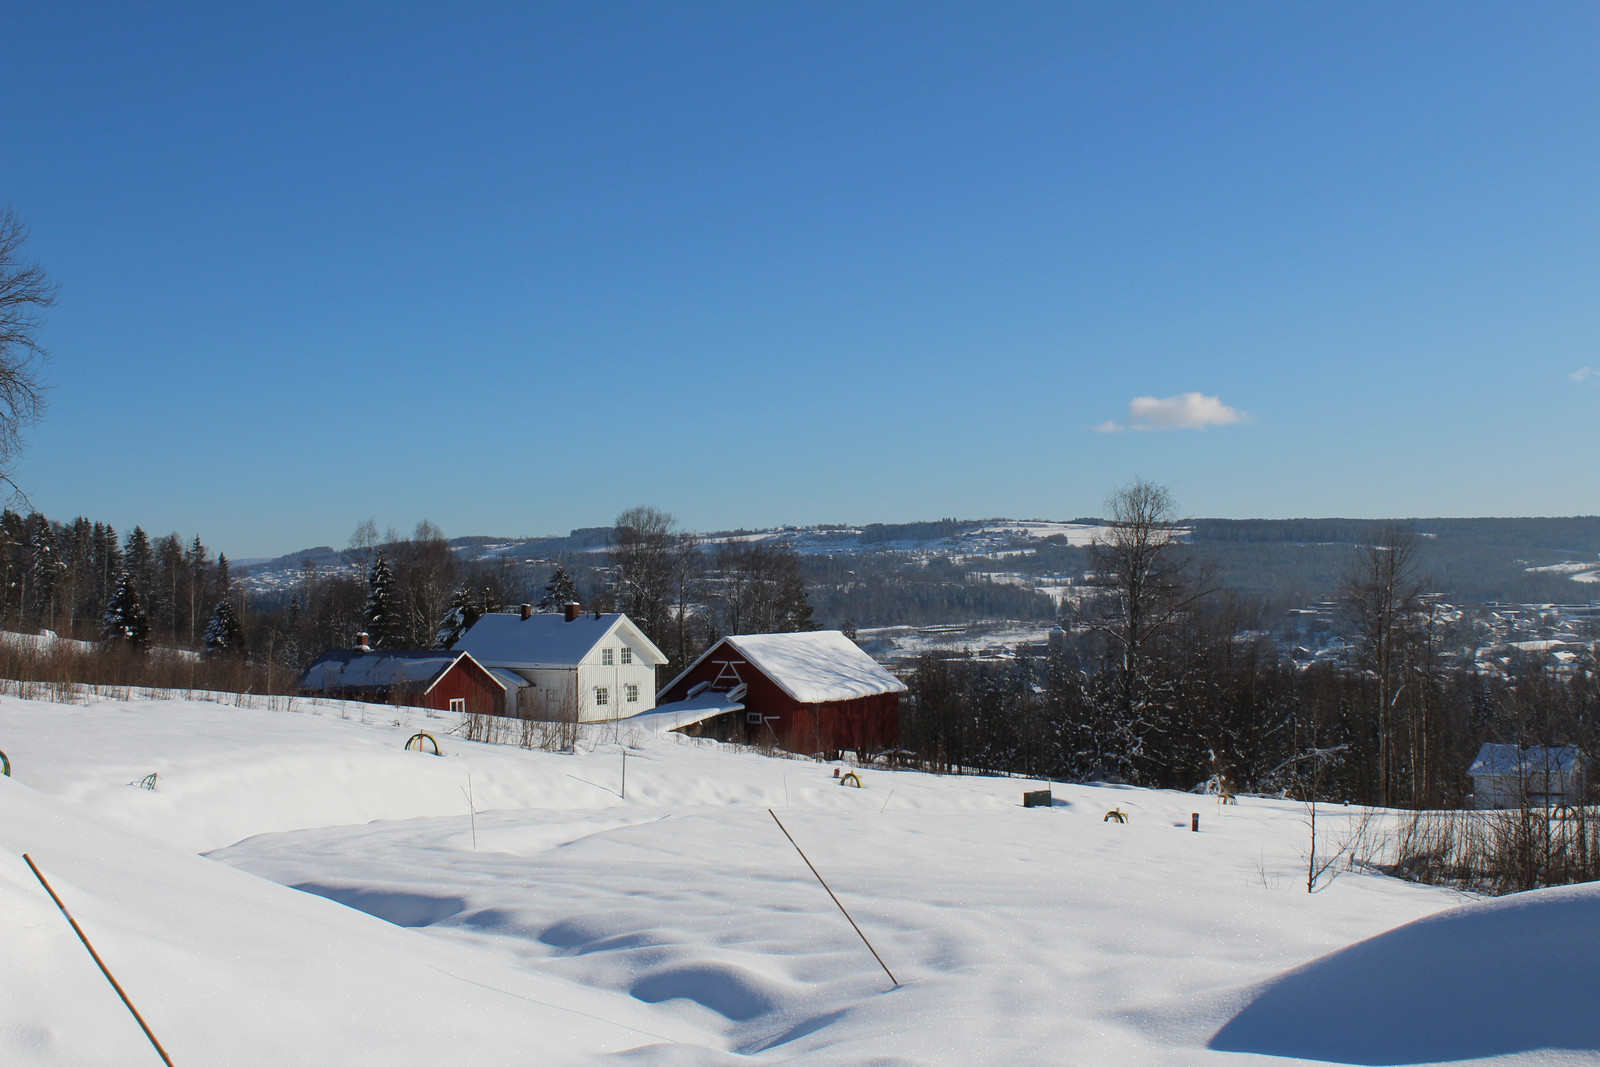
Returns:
point(1509, 776)
point(567, 665)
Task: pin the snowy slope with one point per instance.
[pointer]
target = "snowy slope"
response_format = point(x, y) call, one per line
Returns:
point(565, 922)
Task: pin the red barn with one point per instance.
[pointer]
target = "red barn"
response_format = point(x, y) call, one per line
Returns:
point(448, 681)
point(804, 692)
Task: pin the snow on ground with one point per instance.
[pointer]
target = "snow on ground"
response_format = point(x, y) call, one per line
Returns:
point(566, 922)
point(1076, 533)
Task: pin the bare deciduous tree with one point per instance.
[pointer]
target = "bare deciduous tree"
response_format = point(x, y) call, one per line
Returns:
point(645, 555)
point(25, 292)
point(1144, 588)
point(1383, 597)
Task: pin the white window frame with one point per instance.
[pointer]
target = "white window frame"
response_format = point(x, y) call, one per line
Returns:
point(606, 658)
point(627, 655)
point(631, 692)
point(458, 705)
point(602, 696)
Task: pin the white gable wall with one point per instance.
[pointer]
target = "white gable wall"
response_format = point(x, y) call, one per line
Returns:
point(594, 673)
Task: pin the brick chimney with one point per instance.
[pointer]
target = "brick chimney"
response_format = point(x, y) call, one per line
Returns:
point(363, 642)
point(527, 612)
point(571, 610)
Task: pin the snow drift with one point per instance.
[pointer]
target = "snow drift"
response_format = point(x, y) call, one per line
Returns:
point(1513, 975)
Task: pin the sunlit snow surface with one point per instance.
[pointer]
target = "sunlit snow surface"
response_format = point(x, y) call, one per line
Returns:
point(678, 926)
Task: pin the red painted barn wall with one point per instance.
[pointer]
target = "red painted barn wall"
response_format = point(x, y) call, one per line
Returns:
point(465, 680)
point(864, 723)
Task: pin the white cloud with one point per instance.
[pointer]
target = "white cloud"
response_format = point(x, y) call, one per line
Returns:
point(1583, 374)
point(1185, 411)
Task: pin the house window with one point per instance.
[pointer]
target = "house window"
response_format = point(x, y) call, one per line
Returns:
point(605, 657)
point(602, 696)
point(633, 693)
point(627, 655)
point(458, 704)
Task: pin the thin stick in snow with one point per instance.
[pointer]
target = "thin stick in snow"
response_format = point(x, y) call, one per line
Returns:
point(474, 809)
point(98, 961)
point(886, 802)
point(846, 914)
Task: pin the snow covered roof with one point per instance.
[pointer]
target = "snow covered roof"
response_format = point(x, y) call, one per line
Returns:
point(1494, 759)
point(681, 713)
point(351, 668)
point(510, 679)
point(547, 639)
point(813, 667)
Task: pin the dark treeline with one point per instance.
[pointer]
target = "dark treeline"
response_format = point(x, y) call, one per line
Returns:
point(67, 576)
point(1162, 680)
point(882, 590)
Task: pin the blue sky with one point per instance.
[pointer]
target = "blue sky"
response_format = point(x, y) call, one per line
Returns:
point(516, 267)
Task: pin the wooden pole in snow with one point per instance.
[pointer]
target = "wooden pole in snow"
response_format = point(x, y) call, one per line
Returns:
point(852, 922)
point(98, 961)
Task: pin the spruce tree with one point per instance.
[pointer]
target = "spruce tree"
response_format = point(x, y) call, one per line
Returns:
point(558, 591)
point(46, 573)
point(139, 560)
point(794, 606)
point(381, 617)
point(224, 635)
point(126, 622)
point(458, 619)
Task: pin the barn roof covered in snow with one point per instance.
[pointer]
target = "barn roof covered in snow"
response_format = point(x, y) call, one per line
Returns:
point(1494, 759)
point(813, 667)
point(351, 668)
point(547, 639)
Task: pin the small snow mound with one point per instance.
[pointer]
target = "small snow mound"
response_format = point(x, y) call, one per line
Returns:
point(731, 992)
point(1487, 979)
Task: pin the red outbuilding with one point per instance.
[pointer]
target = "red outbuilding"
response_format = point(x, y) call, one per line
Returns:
point(804, 692)
point(448, 681)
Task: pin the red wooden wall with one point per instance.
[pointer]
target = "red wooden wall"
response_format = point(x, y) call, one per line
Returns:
point(465, 680)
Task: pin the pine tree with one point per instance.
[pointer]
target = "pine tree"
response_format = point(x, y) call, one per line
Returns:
point(458, 619)
point(45, 570)
point(794, 606)
point(198, 562)
point(126, 621)
point(224, 635)
point(381, 618)
point(139, 560)
point(558, 591)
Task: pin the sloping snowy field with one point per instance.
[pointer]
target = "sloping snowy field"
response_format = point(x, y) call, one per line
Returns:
point(350, 908)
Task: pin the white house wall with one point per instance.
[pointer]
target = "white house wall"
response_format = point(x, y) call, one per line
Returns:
point(614, 678)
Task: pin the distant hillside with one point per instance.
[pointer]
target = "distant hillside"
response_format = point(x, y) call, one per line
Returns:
point(961, 571)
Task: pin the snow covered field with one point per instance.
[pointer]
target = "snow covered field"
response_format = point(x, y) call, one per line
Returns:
point(299, 889)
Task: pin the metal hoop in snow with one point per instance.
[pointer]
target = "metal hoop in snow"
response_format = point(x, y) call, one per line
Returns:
point(416, 740)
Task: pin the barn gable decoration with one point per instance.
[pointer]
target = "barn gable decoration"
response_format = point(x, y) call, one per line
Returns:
point(804, 692)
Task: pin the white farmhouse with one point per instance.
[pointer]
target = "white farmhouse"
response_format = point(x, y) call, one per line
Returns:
point(1508, 776)
point(567, 665)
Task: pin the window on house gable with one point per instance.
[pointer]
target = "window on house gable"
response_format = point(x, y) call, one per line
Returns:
point(458, 704)
point(632, 693)
point(605, 657)
point(602, 696)
point(627, 655)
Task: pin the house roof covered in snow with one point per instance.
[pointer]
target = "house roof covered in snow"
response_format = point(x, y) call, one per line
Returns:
point(351, 668)
point(548, 640)
point(1495, 759)
point(813, 667)
point(510, 679)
